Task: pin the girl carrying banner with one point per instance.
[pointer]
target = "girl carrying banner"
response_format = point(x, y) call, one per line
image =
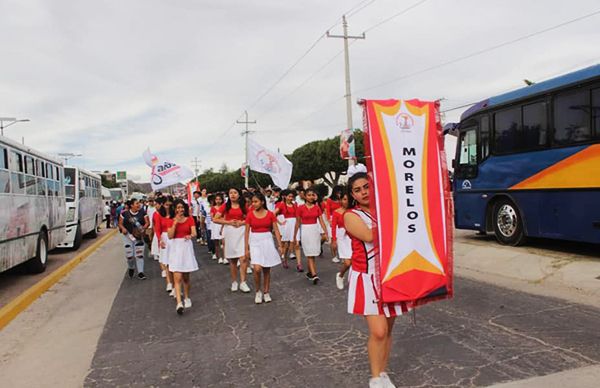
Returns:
point(260, 226)
point(310, 218)
point(363, 297)
point(232, 216)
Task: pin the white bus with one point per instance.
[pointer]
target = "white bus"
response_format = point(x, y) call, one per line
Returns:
point(32, 203)
point(83, 192)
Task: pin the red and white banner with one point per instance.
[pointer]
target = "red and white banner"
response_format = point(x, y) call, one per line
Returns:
point(192, 187)
point(405, 155)
point(164, 173)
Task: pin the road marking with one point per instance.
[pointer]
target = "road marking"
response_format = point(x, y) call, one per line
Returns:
point(21, 302)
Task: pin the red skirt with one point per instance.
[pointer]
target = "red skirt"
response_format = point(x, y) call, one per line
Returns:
point(364, 300)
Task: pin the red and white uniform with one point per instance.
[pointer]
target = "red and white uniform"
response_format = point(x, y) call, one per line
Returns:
point(338, 233)
point(160, 228)
point(288, 212)
point(234, 237)
point(181, 250)
point(216, 230)
point(262, 247)
point(155, 247)
point(310, 229)
point(363, 298)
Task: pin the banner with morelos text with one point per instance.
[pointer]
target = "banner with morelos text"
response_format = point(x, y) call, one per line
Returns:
point(412, 202)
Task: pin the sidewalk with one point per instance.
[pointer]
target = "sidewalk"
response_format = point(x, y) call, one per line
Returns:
point(566, 275)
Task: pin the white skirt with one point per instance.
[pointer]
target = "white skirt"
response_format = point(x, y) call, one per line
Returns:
point(287, 230)
point(216, 231)
point(234, 241)
point(182, 257)
point(163, 256)
point(155, 247)
point(311, 240)
point(344, 243)
point(263, 251)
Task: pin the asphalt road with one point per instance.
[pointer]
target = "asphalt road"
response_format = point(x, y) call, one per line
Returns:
point(16, 280)
point(305, 338)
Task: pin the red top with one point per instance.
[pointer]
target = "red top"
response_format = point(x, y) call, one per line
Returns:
point(163, 225)
point(331, 206)
point(184, 229)
point(156, 223)
point(213, 211)
point(232, 214)
point(309, 216)
point(285, 210)
point(363, 253)
point(260, 225)
point(337, 221)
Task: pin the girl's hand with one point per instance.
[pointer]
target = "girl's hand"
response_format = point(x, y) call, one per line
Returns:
point(163, 245)
point(246, 256)
point(188, 237)
point(323, 236)
point(280, 249)
point(334, 244)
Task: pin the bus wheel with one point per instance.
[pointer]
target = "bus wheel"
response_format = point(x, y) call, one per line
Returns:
point(94, 232)
point(78, 238)
point(38, 263)
point(508, 225)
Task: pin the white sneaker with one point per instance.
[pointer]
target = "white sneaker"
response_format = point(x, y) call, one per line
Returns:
point(339, 281)
point(248, 270)
point(220, 261)
point(267, 298)
point(335, 259)
point(187, 303)
point(244, 287)
point(179, 308)
point(163, 274)
point(387, 383)
point(214, 257)
point(173, 294)
point(257, 297)
point(234, 286)
point(376, 382)
point(198, 240)
point(169, 287)
point(225, 261)
point(238, 264)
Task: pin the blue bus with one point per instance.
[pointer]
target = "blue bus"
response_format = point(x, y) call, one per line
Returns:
point(528, 162)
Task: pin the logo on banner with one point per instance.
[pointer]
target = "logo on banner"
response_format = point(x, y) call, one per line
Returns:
point(404, 121)
point(268, 161)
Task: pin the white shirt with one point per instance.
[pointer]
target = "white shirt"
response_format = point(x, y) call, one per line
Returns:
point(195, 207)
point(106, 210)
point(151, 211)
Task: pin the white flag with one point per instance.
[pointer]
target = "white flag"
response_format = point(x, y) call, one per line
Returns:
point(273, 163)
point(165, 173)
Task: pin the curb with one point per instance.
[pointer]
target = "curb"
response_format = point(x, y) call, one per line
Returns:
point(21, 302)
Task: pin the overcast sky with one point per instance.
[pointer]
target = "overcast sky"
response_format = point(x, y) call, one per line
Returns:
point(110, 78)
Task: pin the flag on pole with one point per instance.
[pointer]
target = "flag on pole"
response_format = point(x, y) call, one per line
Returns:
point(165, 173)
point(192, 187)
point(413, 205)
point(347, 147)
point(266, 161)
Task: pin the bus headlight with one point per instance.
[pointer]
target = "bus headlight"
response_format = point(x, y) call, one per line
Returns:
point(71, 214)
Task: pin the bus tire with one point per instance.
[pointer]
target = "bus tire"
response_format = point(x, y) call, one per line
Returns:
point(37, 264)
point(94, 232)
point(508, 223)
point(78, 238)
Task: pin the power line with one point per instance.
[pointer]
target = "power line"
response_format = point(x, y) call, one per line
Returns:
point(395, 15)
point(483, 51)
point(352, 13)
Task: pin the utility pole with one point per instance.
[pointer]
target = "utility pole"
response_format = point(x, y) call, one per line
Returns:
point(245, 133)
point(196, 165)
point(348, 95)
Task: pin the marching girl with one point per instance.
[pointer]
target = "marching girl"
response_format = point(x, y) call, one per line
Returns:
point(182, 259)
point(340, 240)
point(363, 298)
point(161, 227)
point(331, 205)
point(287, 209)
point(260, 225)
point(216, 229)
point(310, 217)
point(154, 217)
point(232, 216)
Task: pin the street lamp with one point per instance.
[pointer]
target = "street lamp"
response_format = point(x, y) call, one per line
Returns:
point(11, 121)
point(68, 155)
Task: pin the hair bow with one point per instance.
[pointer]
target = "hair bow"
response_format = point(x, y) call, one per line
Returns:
point(356, 168)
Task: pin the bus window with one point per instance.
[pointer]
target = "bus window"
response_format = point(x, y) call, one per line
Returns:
point(572, 118)
point(69, 184)
point(507, 125)
point(29, 165)
point(535, 125)
point(30, 188)
point(16, 176)
point(41, 186)
point(4, 174)
point(485, 136)
point(467, 158)
point(596, 111)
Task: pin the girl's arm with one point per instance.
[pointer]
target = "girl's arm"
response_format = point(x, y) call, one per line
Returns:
point(157, 226)
point(357, 228)
point(192, 228)
point(277, 236)
point(297, 227)
point(171, 231)
point(323, 227)
point(247, 240)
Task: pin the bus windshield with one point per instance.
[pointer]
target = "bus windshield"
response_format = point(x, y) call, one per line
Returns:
point(70, 184)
